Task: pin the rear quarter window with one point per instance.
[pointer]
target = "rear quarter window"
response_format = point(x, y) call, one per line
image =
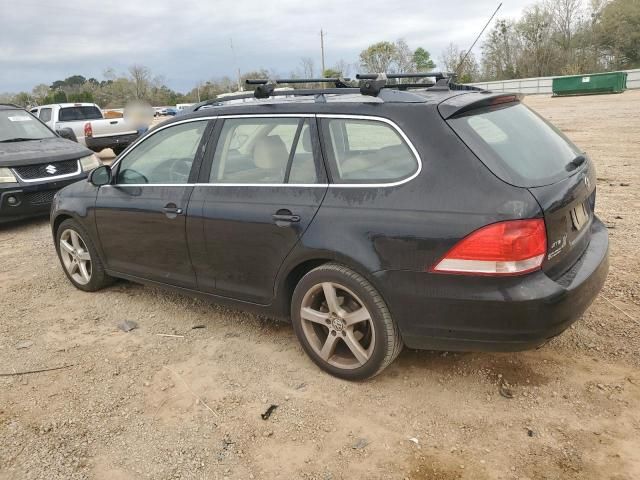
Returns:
point(366, 151)
point(516, 144)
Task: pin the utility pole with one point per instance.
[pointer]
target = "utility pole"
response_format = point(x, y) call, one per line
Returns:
point(235, 60)
point(322, 50)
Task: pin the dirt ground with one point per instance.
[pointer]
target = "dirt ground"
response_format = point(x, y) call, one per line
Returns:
point(139, 405)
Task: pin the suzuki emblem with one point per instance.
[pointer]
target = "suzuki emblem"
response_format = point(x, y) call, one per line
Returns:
point(50, 169)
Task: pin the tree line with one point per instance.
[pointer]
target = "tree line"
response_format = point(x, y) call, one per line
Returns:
point(552, 37)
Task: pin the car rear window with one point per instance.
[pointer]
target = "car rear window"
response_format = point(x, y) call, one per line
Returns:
point(516, 144)
point(71, 114)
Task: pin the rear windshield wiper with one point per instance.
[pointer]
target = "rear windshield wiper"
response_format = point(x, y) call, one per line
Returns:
point(575, 163)
point(18, 139)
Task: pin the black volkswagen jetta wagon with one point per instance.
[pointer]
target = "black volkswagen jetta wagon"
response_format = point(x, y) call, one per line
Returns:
point(372, 217)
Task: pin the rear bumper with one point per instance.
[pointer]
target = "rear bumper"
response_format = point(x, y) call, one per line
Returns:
point(19, 201)
point(455, 312)
point(100, 143)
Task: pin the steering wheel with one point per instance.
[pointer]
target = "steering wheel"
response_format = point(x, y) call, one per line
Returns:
point(179, 171)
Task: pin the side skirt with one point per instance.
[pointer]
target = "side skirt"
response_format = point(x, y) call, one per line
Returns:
point(267, 310)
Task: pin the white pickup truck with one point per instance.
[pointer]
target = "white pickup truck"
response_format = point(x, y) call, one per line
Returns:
point(88, 124)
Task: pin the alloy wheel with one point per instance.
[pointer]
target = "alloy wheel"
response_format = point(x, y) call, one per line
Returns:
point(337, 325)
point(75, 256)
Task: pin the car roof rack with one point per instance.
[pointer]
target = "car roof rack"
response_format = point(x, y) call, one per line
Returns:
point(369, 84)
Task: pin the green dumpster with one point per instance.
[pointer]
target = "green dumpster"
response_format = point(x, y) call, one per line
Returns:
point(610, 82)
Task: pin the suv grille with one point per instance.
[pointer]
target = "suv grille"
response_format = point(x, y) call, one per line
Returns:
point(40, 198)
point(47, 170)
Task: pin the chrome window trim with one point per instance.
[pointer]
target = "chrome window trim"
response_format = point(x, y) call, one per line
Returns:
point(43, 179)
point(299, 185)
point(268, 185)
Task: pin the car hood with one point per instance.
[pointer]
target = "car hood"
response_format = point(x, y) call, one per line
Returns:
point(33, 152)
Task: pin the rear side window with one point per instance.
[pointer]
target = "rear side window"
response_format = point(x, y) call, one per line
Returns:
point(45, 114)
point(366, 151)
point(516, 144)
point(71, 114)
point(264, 150)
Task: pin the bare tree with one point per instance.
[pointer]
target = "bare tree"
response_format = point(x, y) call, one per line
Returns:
point(141, 77)
point(306, 64)
point(451, 60)
point(566, 16)
point(403, 57)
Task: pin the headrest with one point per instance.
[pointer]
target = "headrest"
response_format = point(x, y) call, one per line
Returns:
point(270, 152)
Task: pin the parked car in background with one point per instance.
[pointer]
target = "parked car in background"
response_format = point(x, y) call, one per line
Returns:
point(170, 111)
point(438, 217)
point(89, 125)
point(35, 163)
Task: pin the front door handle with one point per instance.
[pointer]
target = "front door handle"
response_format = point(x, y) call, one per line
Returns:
point(171, 210)
point(284, 217)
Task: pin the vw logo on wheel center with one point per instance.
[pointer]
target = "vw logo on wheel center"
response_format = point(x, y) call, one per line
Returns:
point(50, 169)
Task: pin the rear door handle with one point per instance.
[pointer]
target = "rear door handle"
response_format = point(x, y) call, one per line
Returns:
point(284, 217)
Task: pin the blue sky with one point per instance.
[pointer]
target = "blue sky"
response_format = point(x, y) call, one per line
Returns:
point(188, 41)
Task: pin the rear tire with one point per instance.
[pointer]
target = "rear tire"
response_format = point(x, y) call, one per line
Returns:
point(79, 257)
point(343, 323)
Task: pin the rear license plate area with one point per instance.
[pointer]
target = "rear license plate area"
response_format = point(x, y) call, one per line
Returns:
point(579, 216)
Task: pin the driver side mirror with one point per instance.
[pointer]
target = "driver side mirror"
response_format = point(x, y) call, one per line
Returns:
point(100, 176)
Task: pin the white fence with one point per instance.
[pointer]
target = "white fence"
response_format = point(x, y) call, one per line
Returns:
point(542, 85)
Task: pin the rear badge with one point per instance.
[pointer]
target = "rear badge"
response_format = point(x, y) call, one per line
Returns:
point(557, 246)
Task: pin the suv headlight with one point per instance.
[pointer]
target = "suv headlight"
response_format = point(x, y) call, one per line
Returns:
point(90, 162)
point(6, 176)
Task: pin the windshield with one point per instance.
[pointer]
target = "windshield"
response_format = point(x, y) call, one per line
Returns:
point(18, 124)
point(72, 114)
point(517, 145)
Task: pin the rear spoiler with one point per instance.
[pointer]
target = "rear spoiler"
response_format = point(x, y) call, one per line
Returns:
point(463, 103)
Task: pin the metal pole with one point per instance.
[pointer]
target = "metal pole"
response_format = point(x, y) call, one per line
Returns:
point(322, 51)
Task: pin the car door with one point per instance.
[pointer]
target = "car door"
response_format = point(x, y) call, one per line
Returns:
point(141, 216)
point(263, 188)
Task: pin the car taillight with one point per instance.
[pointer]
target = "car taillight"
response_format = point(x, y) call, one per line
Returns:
point(513, 247)
point(88, 130)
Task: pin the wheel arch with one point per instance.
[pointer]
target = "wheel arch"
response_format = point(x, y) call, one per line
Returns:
point(295, 270)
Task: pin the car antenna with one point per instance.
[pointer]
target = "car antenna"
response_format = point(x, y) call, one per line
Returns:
point(457, 70)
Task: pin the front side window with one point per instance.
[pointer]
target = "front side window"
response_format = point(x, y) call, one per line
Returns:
point(264, 150)
point(366, 151)
point(45, 114)
point(165, 157)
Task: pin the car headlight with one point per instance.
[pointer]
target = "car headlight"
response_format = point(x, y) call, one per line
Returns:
point(6, 176)
point(90, 162)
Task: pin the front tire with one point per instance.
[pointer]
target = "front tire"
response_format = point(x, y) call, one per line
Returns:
point(79, 257)
point(343, 323)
